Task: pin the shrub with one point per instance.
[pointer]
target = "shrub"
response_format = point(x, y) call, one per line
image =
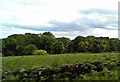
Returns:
point(40, 52)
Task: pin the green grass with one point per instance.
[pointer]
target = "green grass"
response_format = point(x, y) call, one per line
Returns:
point(30, 62)
point(103, 75)
point(12, 63)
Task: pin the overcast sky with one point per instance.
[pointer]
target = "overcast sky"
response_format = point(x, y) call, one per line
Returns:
point(68, 18)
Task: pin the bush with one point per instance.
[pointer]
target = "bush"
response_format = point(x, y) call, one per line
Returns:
point(40, 52)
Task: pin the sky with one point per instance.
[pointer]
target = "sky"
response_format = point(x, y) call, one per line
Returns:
point(68, 18)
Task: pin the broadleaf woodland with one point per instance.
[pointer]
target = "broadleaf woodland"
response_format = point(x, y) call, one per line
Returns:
point(25, 44)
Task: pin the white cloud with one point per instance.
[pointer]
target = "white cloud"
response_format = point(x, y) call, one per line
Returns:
point(39, 13)
point(106, 33)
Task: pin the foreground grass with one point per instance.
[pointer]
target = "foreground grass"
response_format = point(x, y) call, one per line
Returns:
point(29, 62)
point(13, 63)
point(103, 75)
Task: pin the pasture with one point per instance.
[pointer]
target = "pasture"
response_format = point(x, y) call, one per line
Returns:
point(12, 63)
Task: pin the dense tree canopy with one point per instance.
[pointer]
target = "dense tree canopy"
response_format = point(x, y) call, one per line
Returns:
point(48, 34)
point(26, 44)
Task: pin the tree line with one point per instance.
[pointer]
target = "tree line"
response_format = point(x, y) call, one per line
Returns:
point(25, 44)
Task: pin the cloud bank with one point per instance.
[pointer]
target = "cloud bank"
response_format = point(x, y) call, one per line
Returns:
point(71, 21)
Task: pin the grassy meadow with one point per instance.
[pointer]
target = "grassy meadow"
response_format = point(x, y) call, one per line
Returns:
point(12, 63)
point(33, 61)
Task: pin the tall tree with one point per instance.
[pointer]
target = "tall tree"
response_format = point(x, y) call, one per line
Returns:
point(66, 42)
point(28, 50)
point(58, 48)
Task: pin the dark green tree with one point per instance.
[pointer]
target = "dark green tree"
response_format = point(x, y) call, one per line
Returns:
point(45, 43)
point(83, 46)
point(48, 34)
point(66, 42)
point(9, 46)
point(58, 48)
point(28, 50)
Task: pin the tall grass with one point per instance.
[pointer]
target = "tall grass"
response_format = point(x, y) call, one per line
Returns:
point(29, 62)
point(12, 63)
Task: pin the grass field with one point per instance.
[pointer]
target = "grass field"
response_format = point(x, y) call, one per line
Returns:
point(12, 63)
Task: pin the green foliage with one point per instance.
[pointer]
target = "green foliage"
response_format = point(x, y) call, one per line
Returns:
point(66, 42)
point(45, 43)
point(18, 44)
point(20, 50)
point(58, 48)
point(30, 38)
point(83, 46)
point(48, 34)
point(103, 75)
point(9, 46)
point(28, 50)
point(40, 52)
